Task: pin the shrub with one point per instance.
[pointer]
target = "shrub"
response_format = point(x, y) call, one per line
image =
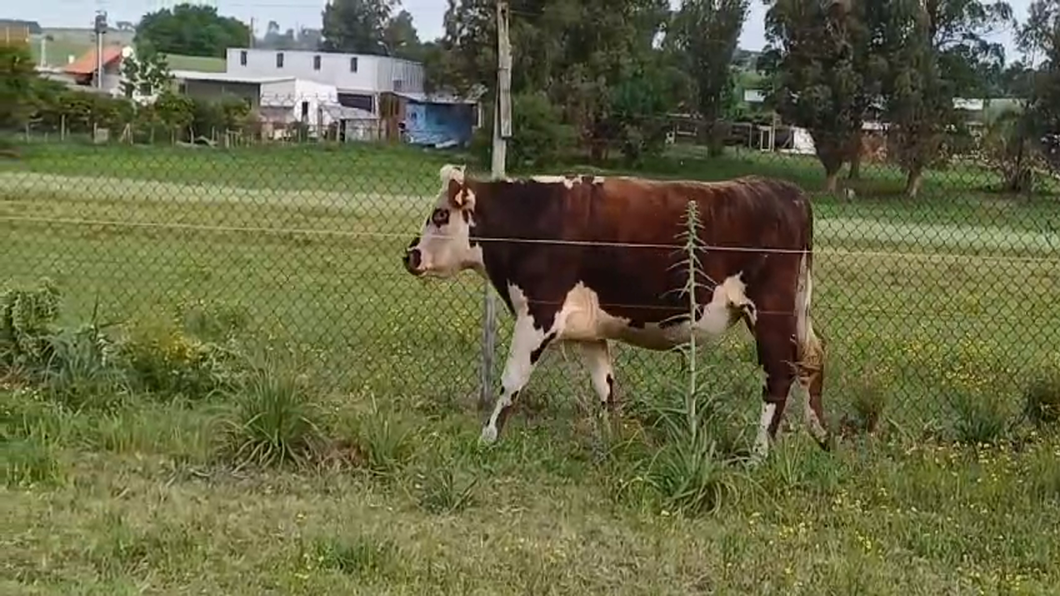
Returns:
point(978, 421)
point(161, 359)
point(539, 138)
point(273, 419)
point(27, 321)
point(82, 371)
point(377, 442)
point(1041, 398)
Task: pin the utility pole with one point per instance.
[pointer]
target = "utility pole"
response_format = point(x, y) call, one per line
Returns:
point(100, 28)
point(502, 131)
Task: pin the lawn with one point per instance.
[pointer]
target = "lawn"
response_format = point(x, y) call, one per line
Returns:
point(937, 312)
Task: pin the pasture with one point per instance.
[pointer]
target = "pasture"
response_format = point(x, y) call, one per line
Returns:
point(278, 407)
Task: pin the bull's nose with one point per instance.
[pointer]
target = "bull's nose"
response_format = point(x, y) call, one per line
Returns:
point(412, 260)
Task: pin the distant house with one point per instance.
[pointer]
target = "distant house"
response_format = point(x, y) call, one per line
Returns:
point(83, 71)
point(280, 101)
point(430, 120)
point(361, 82)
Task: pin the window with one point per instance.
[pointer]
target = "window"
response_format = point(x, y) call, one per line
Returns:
point(316, 62)
point(305, 111)
point(243, 58)
point(353, 64)
point(399, 85)
point(279, 59)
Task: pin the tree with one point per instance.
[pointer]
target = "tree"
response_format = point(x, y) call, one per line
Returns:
point(823, 74)
point(576, 52)
point(401, 39)
point(705, 33)
point(17, 77)
point(145, 74)
point(192, 30)
point(1040, 37)
point(356, 26)
point(937, 51)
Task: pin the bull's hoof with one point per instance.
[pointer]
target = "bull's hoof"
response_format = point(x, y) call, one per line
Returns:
point(489, 435)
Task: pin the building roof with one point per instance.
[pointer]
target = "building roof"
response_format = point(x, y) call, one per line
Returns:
point(223, 77)
point(341, 112)
point(433, 98)
point(87, 63)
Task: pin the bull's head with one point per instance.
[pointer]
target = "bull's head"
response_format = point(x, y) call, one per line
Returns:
point(444, 246)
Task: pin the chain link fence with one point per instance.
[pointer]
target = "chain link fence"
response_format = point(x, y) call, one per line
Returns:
point(300, 238)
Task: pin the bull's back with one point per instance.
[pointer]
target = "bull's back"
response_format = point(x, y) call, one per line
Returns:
point(632, 233)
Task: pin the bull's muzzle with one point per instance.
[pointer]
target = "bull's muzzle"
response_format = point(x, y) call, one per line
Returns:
point(413, 260)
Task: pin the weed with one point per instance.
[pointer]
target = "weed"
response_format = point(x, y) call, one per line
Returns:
point(274, 419)
point(27, 320)
point(978, 421)
point(868, 403)
point(1041, 398)
point(378, 441)
point(163, 360)
point(81, 371)
point(690, 472)
point(438, 490)
point(365, 557)
point(29, 462)
point(216, 321)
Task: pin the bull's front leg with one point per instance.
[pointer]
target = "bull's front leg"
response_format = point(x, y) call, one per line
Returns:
point(528, 343)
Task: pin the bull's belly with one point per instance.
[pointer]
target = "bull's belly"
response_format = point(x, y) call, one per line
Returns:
point(582, 319)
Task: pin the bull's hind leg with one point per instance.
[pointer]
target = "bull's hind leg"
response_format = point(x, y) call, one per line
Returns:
point(528, 343)
point(597, 358)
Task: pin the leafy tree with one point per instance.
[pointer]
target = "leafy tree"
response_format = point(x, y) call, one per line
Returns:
point(145, 73)
point(193, 30)
point(574, 51)
point(17, 76)
point(356, 26)
point(1040, 37)
point(823, 73)
point(937, 51)
point(401, 38)
point(704, 36)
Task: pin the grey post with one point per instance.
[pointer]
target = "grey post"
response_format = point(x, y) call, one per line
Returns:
point(502, 130)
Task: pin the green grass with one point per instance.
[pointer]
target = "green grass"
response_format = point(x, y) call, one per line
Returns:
point(354, 467)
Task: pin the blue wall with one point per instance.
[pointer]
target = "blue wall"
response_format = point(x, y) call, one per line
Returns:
point(435, 123)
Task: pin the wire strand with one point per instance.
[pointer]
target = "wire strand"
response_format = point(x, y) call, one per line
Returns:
point(558, 242)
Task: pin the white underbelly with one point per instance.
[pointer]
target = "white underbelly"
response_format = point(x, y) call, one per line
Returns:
point(582, 319)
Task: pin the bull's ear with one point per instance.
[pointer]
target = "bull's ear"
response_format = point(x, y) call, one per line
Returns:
point(450, 172)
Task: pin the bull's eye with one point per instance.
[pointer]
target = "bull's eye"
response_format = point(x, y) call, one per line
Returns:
point(440, 217)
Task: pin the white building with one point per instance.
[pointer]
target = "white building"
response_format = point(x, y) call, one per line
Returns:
point(280, 101)
point(358, 78)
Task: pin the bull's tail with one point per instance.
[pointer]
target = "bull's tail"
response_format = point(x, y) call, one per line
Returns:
point(810, 353)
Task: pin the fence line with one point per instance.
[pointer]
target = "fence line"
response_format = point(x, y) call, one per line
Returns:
point(412, 232)
point(949, 294)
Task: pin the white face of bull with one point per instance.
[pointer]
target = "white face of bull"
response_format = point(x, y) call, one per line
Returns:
point(444, 246)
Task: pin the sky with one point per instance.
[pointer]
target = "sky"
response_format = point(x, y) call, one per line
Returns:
point(427, 14)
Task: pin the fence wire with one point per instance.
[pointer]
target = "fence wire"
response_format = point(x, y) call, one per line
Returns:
point(300, 240)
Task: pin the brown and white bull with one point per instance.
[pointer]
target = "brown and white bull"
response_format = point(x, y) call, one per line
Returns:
point(588, 260)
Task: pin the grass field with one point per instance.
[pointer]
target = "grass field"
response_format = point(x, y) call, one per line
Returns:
point(159, 469)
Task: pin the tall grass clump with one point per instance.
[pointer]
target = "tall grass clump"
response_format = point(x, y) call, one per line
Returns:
point(1041, 399)
point(978, 420)
point(273, 418)
point(691, 472)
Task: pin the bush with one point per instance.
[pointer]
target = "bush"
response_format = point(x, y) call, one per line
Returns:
point(539, 139)
point(1041, 399)
point(27, 321)
point(274, 419)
